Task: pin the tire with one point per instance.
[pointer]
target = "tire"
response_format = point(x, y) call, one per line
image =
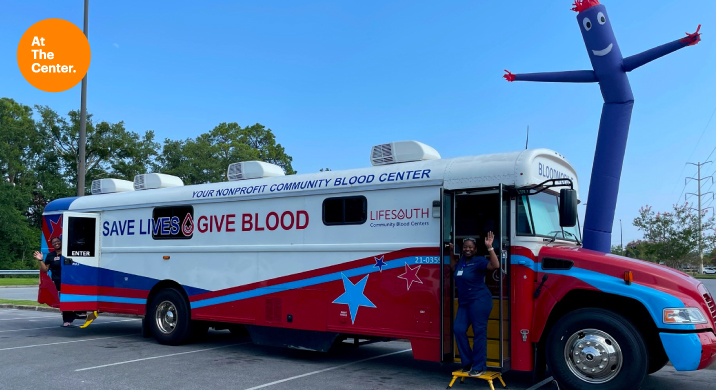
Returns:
point(170, 318)
point(657, 359)
point(580, 341)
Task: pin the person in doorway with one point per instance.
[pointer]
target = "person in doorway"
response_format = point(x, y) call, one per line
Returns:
point(474, 302)
point(53, 263)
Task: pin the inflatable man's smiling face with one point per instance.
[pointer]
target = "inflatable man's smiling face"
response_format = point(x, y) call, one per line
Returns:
point(598, 35)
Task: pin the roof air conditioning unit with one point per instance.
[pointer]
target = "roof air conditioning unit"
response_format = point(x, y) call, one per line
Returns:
point(149, 181)
point(111, 186)
point(402, 151)
point(252, 170)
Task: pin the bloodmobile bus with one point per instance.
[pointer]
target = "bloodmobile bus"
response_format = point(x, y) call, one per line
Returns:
point(310, 260)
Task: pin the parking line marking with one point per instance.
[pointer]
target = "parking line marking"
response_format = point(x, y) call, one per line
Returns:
point(327, 369)
point(24, 318)
point(157, 357)
point(58, 326)
point(66, 342)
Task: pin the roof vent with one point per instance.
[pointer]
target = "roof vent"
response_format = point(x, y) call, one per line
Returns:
point(402, 151)
point(111, 186)
point(252, 170)
point(149, 181)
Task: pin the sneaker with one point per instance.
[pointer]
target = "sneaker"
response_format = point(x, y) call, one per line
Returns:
point(67, 324)
point(466, 368)
point(475, 373)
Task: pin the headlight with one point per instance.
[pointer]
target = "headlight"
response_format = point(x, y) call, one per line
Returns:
point(684, 315)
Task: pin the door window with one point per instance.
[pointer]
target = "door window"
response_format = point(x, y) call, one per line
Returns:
point(81, 237)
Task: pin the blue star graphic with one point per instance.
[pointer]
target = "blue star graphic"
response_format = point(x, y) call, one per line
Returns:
point(379, 263)
point(353, 296)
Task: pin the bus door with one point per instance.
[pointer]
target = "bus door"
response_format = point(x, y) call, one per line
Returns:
point(80, 266)
point(471, 214)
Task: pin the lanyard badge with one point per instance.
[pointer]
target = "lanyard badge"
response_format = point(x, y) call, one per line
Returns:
point(459, 272)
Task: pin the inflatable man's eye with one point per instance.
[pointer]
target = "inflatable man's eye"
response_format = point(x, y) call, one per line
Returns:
point(587, 24)
point(601, 19)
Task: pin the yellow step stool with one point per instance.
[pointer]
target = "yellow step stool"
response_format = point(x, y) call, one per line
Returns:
point(488, 376)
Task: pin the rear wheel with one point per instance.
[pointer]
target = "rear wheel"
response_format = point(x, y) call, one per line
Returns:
point(596, 349)
point(170, 317)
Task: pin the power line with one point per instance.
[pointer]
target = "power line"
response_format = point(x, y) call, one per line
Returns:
point(712, 152)
point(699, 194)
point(692, 153)
point(682, 192)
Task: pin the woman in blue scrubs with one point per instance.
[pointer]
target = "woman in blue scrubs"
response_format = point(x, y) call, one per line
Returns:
point(474, 302)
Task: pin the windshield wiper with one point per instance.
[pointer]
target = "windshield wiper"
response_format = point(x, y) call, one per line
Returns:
point(551, 240)
point(575, 237)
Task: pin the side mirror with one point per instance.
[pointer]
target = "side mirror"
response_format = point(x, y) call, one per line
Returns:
point(567, 207)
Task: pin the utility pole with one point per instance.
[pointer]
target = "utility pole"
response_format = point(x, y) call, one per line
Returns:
point(698, 179)
point(621, 235)
point(83, 124)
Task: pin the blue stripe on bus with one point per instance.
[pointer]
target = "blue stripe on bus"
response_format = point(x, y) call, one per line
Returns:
point(654, 300)
point(100, 298)
point(392, 264)
point(85, 275)
point(522, 260)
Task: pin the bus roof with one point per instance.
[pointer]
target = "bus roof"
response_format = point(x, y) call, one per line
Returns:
point(519, 169)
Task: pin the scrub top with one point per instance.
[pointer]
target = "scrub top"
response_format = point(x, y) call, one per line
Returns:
point(470, 279)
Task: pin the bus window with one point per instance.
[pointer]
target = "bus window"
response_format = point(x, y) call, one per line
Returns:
point(538, 215)
point(81, 237)
point(348, 210)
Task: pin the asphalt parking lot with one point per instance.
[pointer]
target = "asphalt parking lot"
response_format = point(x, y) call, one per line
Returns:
point(36, 352)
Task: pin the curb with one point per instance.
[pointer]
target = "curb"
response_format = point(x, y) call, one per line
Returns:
point(26, 307)
point(53, 310)
point(20, 286)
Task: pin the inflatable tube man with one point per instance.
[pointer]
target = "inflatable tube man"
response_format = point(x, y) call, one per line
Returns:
point(610, 71)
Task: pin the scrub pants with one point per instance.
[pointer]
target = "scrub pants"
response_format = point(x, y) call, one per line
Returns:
point(475, 313)
point(67, 316)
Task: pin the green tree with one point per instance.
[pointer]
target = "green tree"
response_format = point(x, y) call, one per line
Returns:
point(617, 250)
point(19, 142)
point(206, 158)
point(672, 237)
point(18, 238)
point(110, 151)
point(20, 153)
point(39, 158)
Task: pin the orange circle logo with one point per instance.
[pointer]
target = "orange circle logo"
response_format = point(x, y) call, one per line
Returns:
point(53, 55)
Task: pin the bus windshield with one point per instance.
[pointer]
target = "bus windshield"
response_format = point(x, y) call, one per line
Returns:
point(538, 215)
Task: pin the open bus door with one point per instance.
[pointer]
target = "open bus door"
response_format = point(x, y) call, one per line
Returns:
point(80, 266)
point(472, 213)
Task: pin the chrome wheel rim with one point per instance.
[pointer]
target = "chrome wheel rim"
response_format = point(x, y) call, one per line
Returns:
point(593, 356)
point(166, 317)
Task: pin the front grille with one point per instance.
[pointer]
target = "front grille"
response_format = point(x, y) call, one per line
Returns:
point(711, 304)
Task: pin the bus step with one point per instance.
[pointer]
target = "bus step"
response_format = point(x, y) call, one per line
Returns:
point(488, 376)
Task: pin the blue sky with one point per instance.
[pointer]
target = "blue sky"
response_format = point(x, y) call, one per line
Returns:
point(331, 79)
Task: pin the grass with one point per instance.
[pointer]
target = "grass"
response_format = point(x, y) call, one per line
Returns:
point(697, 276)
point(19, 281)
point(20, 302)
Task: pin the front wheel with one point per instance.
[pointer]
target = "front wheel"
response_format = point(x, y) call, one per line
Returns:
point(597, 349)
point(170, 318)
